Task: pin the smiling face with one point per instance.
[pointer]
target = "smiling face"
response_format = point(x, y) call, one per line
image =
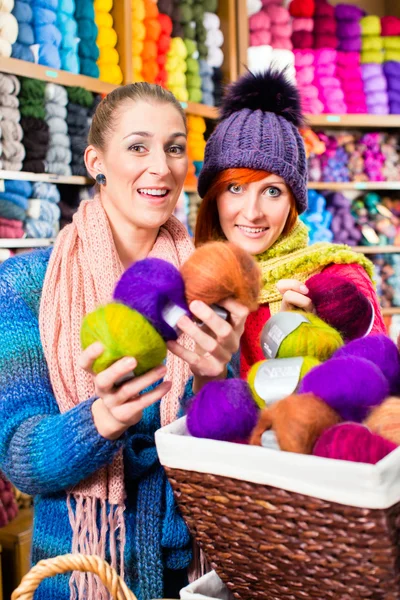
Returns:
point(145, 163)
point(253, 215)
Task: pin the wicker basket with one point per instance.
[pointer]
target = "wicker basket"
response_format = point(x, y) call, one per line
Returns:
point(282, 526)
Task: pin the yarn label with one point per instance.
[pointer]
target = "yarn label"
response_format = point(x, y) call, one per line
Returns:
point(277, 329)
point(277, 378)
point(333, 118)
point(171, 314)
point(2, 185)
point(268, 440)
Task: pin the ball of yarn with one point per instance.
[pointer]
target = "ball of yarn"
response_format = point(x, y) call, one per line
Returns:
point(223, 410)
point(309, 363)
point(316, 339)
point(238, 275)
point(349, 384)
point(353, 442)
point(339, 303)
point(385, 420)
point(297, 421)
point(150, 286)
point(380, 350)
point(123, 332)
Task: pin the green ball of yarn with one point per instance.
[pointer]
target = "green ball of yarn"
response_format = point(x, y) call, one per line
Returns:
point(79, 95)
point(198, 12)
point(189, 31)
point(309, 362)
point(315, 338)
point(193, 66)
point(123, 332)
point(191, 46)
point(35, 110)
point(32, 89)
point(210, 5)
point(203, 50)
point(195, 95)
point(185, 13)
point(201, 35)
point(193, 81)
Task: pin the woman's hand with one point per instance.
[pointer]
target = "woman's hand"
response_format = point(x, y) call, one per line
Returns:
point(118, 408)
point(294, 295)
point(215, 342)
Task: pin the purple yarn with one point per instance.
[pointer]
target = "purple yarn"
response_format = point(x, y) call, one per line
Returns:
point(370, 70)
point(350, 44)
point(391, 68)
point(223, 410)
point(148, 286)
point(380, 350)
point(393, 83)
point(349, 384)
point(348, 12)
point(348, 29)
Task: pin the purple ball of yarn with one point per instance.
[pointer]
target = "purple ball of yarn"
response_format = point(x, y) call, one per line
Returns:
point(148, 286)
point(380, 350)
point(350, 385)
point(223, 410)
point(353, 442)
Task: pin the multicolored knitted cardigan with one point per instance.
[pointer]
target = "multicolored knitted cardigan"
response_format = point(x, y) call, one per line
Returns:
point(44, 452)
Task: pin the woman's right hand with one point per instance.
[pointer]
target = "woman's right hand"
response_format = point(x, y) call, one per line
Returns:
point(118, 408)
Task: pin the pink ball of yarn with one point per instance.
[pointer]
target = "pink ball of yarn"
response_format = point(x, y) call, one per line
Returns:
point(281, 43)
point(353, 442)
point(278, 14)
point(259, 21)
point(260, 38)
point(303, 58)
point(303, 24)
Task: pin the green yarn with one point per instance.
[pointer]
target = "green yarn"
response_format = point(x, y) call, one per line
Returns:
point(203, 50)
point(193, 66)
point(193, 81)
point(31, 89)
point(189, 31)
point(123, 332)
point(79, 95)
point(309, 362)
point(201, 34)
point(316, 339)
point(185, 13)
point(32, 110)
point(198, 12)
point(195, 95)
point(210, 5)
point(191, 46)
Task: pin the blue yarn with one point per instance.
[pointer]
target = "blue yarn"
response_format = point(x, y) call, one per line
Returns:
point(22, 12)
point(46, 191)
point(48, 34)
point(36, 228)
point(44, 210)
point(89, 50)
point(67, 6)
point(50, 4)
point(44, 16)
point(22, 52)
point(208, 99)
point(87, 30)
point(69, 30)
point(70, 61)
point(22, 188)
point(49, 56)
point(198, 165)
point(26, 36)
point(84, 10)
point(89, 67)
point(20, 201)
point(207, 84)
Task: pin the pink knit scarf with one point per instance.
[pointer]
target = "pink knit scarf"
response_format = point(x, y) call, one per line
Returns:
point(83, 269)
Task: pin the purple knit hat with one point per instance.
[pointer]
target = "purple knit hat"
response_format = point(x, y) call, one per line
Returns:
point(260, 116)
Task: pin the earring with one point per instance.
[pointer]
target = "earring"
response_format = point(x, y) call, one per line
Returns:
point(101, 179)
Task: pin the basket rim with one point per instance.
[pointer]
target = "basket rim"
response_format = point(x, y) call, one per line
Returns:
point(353, 484)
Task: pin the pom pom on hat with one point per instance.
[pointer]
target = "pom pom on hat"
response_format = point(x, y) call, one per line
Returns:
point(353, 442)
point(269, 92)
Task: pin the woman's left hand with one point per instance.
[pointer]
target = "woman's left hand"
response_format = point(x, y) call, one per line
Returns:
point(213, 350)
point(294, 295)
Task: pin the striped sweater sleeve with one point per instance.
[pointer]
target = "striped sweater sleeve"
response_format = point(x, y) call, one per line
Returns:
point(41, 450)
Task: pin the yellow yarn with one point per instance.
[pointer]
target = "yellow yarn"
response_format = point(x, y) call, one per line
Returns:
point(137, 64)
point(371, 42)
point(180, 93)
point(139, 30)
point(123, 332)
point(196, 124)
point(370, 25)
point(106, 36)
point(111, 73)
point(391, 42)
point(103, 19)
point(177, 79)
point(138, 11)
point(175, 63)
point(177, 47)
point(392, 55)
point(372, 56)
point(103, 5)
point(108, 56)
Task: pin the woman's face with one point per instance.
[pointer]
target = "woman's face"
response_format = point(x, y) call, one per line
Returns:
point(253, 215)
point(145, 163)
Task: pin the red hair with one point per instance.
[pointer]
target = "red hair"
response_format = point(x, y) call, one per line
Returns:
point(208, 226)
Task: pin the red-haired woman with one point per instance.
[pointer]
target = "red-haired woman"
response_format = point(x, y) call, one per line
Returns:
point(254, 186)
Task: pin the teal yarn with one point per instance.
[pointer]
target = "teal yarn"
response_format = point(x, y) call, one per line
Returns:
point(70, 61)
point(87, 30)
point(84, 10)
point(89, 50)
point(89, 67)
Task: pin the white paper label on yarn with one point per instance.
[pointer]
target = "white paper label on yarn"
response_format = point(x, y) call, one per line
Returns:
point(268, 440)
point(277, 329)
point(277, 378)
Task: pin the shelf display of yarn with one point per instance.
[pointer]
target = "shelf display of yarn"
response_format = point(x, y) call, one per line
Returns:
point(343, 60)
point(178, 46)
point(76, 37)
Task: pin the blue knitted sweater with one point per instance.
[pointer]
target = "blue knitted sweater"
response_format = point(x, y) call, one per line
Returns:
point(44, 452)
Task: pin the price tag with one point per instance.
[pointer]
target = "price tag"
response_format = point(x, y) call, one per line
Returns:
point(52, 74)
point(333, 118)
point(184, 104)
point(360, 185)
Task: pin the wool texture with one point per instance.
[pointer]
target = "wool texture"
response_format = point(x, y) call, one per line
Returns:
point(385, 419)
point(76, 283)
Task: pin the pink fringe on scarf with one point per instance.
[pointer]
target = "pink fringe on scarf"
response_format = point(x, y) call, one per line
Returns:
point(82, 272)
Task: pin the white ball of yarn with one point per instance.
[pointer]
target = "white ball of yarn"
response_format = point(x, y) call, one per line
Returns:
point(8, 27)
point(253, 7)
point(6, 5)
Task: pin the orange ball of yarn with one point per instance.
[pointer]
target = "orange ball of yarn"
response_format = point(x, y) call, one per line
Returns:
point(149, 50)
point(153, 29)
point(151, 9)
point(385, 420)
point(297, 421)
point(150, 71)
point(220, 270)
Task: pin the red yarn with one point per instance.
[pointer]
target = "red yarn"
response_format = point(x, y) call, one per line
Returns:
point(8, 505)
point(164, 42)
point(339, 303)
point(324, 25)
point(302, 39)
point(250, 347)
point(302, 8)
point(325, 40)
point(353, 442)
point(390, 26)
point(166, 24)
point(324, 9)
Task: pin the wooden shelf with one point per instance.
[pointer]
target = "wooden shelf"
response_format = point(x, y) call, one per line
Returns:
point(26, 242)
point(378, 249)
point(353, 120)
point(47, 177)
point(392, 310)
point(334, 186)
